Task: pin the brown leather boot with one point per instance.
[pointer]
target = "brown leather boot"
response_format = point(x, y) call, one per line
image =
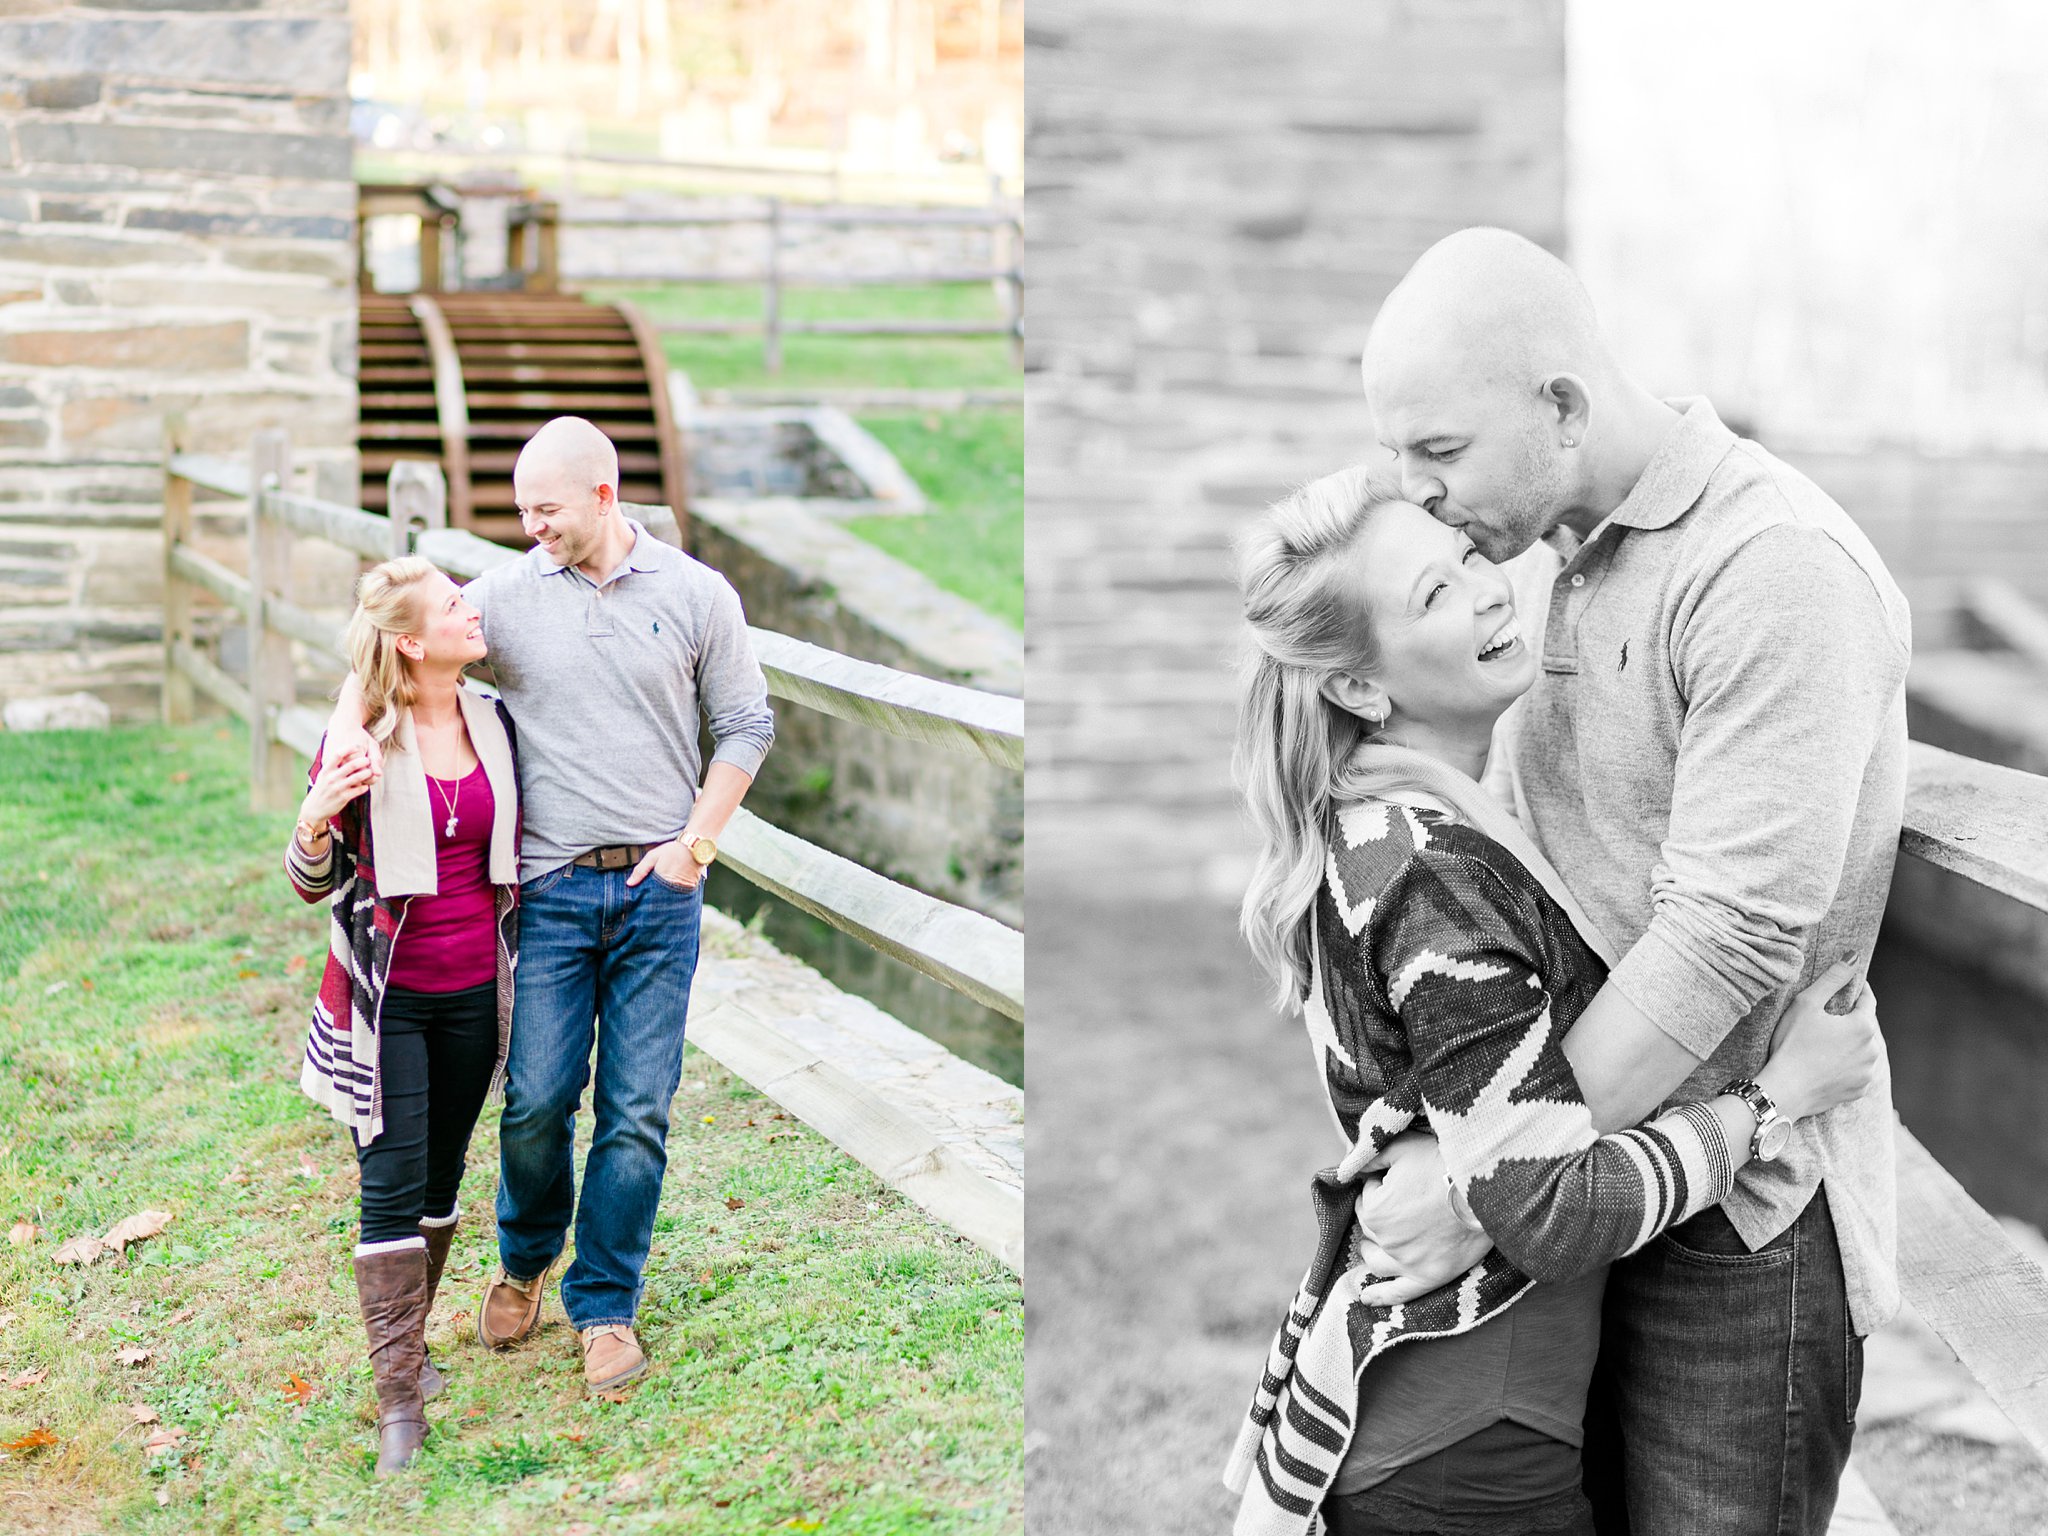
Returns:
point(392, 1289)
point(439, 1240)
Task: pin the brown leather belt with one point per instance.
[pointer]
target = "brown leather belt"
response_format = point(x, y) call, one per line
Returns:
point(620, 856)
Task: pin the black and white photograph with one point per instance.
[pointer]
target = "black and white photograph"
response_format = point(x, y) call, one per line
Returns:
point(1537, 632)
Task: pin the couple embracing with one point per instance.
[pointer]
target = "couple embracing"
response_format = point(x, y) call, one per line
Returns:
point(1576, 739)
point(455, 848)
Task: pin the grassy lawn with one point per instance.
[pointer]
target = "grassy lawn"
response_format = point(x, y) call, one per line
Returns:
point(831, 362)
point(825, 1358)
point(971, 465)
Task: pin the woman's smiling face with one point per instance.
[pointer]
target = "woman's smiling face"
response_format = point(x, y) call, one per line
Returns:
point(1443, 617)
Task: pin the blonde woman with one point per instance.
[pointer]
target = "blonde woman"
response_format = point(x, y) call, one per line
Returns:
point(413, 1020)
point(1440, 966)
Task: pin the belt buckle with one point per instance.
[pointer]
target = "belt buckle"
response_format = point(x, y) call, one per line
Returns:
point(614, 858)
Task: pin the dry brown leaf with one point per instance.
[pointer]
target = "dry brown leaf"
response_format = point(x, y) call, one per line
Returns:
point(298, 1389)
point(31, 1378)
point(23, 1232)
point(134, 1354)
point(296, 964)
point(133, 1229)
point(735, 1203)
point(35, 1439)
point(182, 1315)
point(82, 1249)
point(237, 1176)
point(165, 1439)
point(181, 777)
point(308, 1167)
point(142, 1413)
point(574, 1436)
point(612, 1397)
point(163, 1495)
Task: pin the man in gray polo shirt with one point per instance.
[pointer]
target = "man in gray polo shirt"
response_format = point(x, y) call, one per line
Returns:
point(1713, 756)
point(608, 647)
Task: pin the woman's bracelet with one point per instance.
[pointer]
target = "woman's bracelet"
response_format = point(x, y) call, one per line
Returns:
point(309, 835)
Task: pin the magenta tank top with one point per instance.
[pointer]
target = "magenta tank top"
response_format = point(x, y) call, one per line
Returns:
point(449, 941)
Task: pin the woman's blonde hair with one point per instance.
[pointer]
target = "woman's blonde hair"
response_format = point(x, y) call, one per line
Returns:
point(1307, 623)
point(387, 606)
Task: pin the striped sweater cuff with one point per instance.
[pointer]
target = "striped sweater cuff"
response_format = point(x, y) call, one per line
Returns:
point(1710, 1169)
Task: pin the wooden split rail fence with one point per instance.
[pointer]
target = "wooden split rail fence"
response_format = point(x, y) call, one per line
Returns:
point(965, 950)
point(533, 247)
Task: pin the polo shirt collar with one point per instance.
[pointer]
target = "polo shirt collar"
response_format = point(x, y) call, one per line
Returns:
point(1678, 472)
point(644, 556)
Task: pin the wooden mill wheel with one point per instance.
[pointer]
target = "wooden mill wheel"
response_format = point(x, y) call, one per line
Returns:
point(468, 377)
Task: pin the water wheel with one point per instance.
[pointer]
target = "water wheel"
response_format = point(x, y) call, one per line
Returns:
point(467, 378)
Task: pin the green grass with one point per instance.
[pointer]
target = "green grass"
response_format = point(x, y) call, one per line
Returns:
point(825, 1358)
point(831, 362)
point(971, 466)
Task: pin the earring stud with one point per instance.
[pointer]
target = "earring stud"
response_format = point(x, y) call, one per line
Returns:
point(1571, 442)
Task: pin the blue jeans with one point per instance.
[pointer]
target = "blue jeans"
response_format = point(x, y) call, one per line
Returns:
point(593, 949)
point(1725, 1396)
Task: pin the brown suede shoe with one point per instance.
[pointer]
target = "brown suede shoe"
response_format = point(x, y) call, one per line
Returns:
point(439, 1240)
point(611, 1356)
point(510, 1309)
point(392, 1290)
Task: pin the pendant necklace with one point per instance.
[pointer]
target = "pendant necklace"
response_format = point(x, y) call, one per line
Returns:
point(447, 804)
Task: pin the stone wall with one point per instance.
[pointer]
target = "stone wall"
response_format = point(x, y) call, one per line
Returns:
point(946, 824)
point(1207, 248)
point(177, 225)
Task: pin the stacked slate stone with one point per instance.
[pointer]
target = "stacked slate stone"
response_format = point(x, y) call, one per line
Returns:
point(177, 234)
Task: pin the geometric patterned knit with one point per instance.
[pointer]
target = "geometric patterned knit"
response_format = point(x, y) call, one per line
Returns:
point(1446, 980)
point(343, 1068)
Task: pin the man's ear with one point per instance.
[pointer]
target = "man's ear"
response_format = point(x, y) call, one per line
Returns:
point(607, 500)
point(1569, 405)
point(1356, 695)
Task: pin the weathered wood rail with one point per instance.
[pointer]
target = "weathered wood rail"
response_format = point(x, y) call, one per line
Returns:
point(964, 950)
point(534, 228)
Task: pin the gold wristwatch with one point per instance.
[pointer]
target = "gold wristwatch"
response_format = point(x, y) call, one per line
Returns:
point(702, 849)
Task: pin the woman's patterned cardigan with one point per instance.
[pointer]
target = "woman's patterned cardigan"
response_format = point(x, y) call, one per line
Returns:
point(1447, 980)
point(342, 1065)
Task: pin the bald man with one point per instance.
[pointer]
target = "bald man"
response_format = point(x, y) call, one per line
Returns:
point(1713, 756)
point(608, 647)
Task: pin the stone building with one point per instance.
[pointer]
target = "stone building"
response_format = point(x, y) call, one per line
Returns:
point(177, 235)
point(1206, 253)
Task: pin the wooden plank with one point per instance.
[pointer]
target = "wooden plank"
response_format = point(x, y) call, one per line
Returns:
point(307, 627)
point(301, 728)
point(668, 438)
point(363, 533)
point(451, 407)
point(210, 680)
point(1987, 1300)
point(462, 554)
point(893, 328)
point(212, 472)
point(961, 720)
point(902, 1153)
point(177, 700)
point(231, 587)
point(2009, 616)
point(974, 955)
point(273, 680)
point(1987, 823)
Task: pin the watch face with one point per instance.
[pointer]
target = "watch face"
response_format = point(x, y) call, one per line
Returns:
point(703, 850)
point(1770, 1141)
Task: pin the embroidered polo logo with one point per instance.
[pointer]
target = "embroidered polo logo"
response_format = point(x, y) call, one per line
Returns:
point(1624, 656)
point(657, 626)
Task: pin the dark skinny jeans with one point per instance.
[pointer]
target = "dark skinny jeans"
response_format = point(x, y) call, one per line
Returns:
point(436, 1056)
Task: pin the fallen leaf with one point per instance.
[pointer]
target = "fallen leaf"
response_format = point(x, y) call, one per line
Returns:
point(142, 1413)
point(235, 1175)
point(165, 1439)
point(23, 1232)
point(163, 1496)
point(735, 1203)
point(56, 986)
point(31, 1378)
point(133, 1229)
point(182, 1315)
point(308, 1167)
point(181, 777)
point(245, 974)
point(35, 1439)
point(574, 1436)
point(628, 1482)
point(85, 982)
point(616, 1397)
point(474, 1413)
point(298, 1389)
point(134, 1354)
point(82, 1249)
point(296, 964)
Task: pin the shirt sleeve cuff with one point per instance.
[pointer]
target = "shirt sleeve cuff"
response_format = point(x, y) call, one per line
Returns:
point(743, 755)
point(1678, 993)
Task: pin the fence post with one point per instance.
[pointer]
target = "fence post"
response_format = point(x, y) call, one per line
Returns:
point(1008, 240)
point(177, 592)
point(771, 328)
point(548, 279)
point(274, 778)
point(416, 500)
